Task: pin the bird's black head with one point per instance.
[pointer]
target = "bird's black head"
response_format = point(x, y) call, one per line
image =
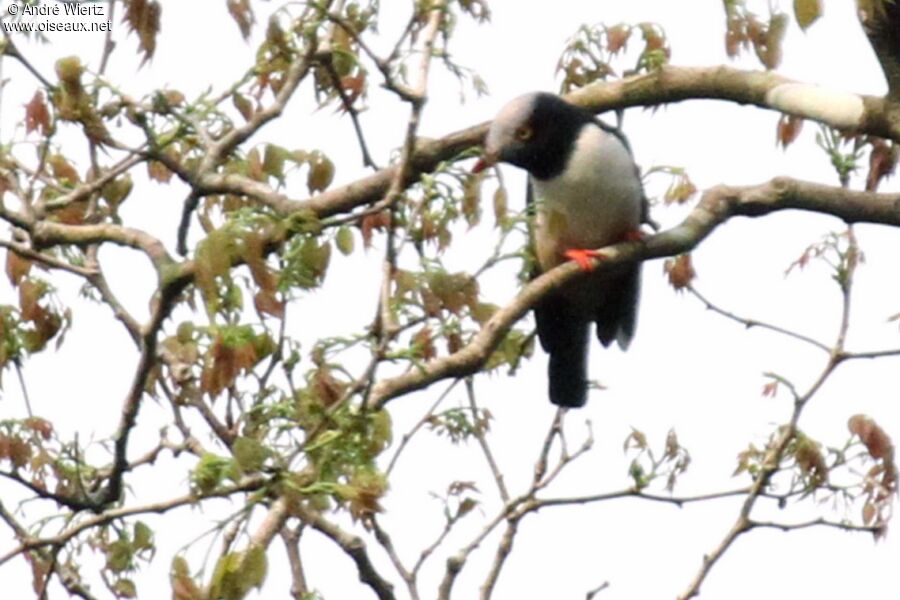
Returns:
point(536, 132)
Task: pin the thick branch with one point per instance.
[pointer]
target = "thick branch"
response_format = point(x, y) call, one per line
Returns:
point(866, 114)
point(45, 234)
point(353, 546)
point(717, 205)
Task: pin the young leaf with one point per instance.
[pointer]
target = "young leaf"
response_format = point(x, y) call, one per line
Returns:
point(143, 18)
point(680, 271)
point(37, 115)
point(321, 172)
point(807, 12)
point(249, 454)
point(789, 127)
point(344, 240)
point(242, 14)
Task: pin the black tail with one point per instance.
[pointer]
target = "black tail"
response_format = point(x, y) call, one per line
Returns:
point(567, 375)
point(565, 338)
point(617, 313)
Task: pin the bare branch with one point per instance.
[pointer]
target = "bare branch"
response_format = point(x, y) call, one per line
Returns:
point(786, 433)
point(45, 259)
point(483, 443)
point(820, 522)
point(291, 538)
point(353, 546)
point(384, 539)
point(29, 543)
point(750, 323)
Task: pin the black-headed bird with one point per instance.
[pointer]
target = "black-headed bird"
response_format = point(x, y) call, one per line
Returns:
point(586, 193)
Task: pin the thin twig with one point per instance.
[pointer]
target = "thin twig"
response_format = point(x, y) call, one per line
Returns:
point(481, 438)
point(750, 323)
point(785, 434)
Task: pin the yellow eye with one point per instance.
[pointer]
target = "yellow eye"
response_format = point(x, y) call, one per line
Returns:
point(524, 133)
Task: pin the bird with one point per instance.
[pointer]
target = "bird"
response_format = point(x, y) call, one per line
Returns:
point(584, 192)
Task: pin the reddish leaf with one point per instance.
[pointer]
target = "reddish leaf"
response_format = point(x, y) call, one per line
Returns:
point(771, 52)
point(328, 389)
point(735, 35)
point(29, 293)
point(882, 162)
point(354, 86)
point(500, 206)
point(6, 184)
point(869, 512)
point(143, 18)
point(789, 127)
point(876, 440)
point(370, 223)
point(17, 268)
point(62, 170)
point(243, 15)
point(424, 343)
point(158, 171)
point(266, 302)
point(255, 165)
point(19, 452)
point(37, 115)
point(454, 342)
point(680, 271)
point(40, 426)
point(617, 38)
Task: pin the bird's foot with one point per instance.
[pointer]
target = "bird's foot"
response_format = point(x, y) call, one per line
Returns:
point(584, 258)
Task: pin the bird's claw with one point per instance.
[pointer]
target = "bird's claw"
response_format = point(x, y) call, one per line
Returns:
point(584, 258)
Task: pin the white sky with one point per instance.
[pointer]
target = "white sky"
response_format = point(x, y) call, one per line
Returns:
point(688, 369)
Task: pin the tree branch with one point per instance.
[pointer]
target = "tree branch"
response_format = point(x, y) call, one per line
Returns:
point(353, 546)
point(715, 207)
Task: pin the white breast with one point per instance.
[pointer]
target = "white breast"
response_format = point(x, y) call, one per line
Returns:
point(593, 203)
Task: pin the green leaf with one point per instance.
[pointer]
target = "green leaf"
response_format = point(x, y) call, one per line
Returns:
point(125, 588)
point(119, 555)
point(321, 172)
point(807, 12)
point(273, 161)
point(344, 240)
point(254, 567)
point(143, 536)
point(243, 105)
point(211, 471)
point(183, 586)
point(117, 190)
point(237, 572)
point(381, 431)
point(249, 454)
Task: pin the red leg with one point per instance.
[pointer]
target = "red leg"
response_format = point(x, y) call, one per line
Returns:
point(584, 258)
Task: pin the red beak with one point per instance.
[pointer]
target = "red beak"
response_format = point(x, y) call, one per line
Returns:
point(485, 162)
